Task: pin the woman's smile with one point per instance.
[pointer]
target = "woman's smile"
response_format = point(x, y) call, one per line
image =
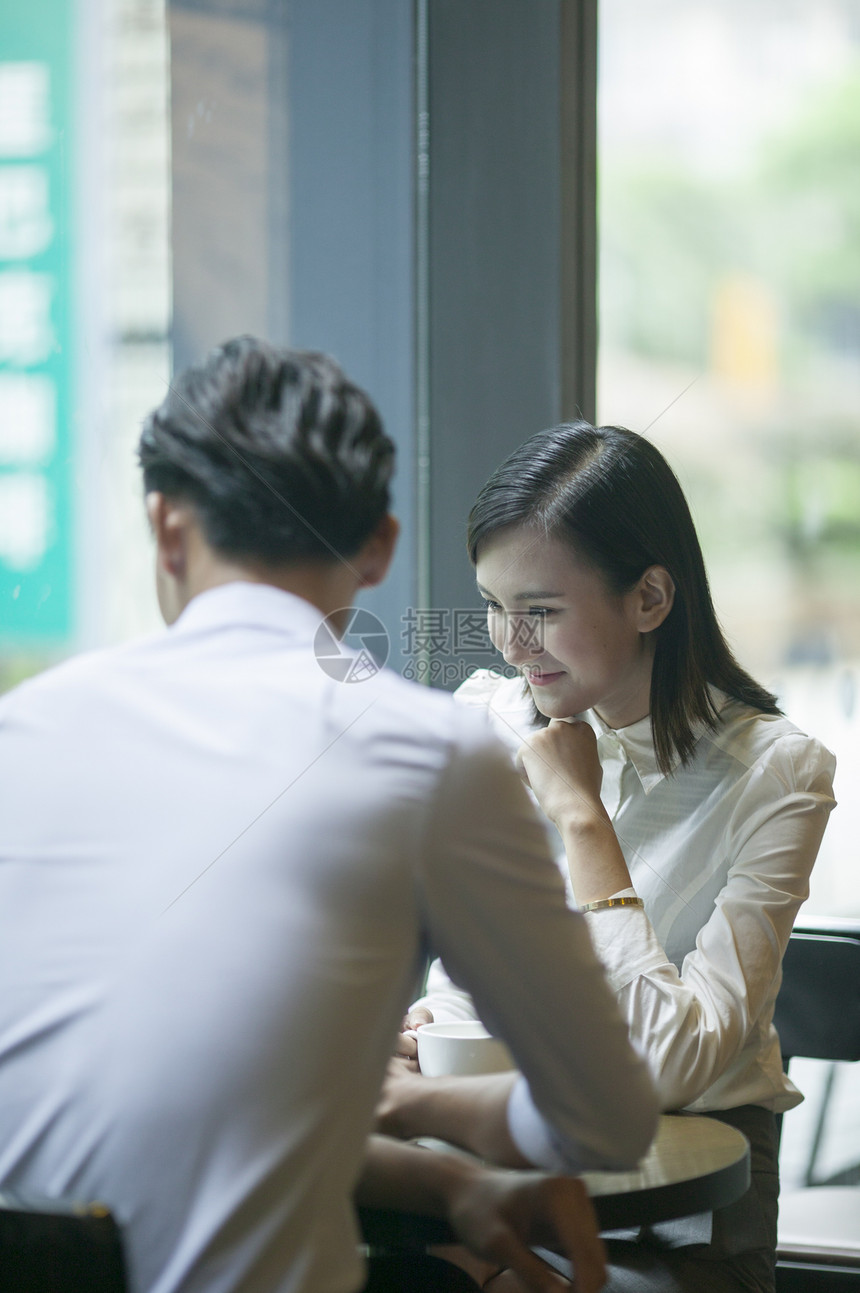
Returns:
point(535, 678)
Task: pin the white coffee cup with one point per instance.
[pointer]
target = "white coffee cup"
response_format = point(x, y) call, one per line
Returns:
point(457, 1049)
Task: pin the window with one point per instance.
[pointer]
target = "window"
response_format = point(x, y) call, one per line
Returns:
point(84, 319)
point(730, 329)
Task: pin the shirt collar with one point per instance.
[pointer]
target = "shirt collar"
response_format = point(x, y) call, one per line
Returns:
point(511, 703)
point(637, 742)
point(634, 741)
point(250, 605)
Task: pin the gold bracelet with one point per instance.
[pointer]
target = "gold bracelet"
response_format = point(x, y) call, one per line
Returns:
point(612, 902)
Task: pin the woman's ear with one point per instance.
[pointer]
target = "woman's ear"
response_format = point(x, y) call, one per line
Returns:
point(655, 598)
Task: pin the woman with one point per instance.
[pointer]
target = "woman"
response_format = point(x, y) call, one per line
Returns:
point(689, 810)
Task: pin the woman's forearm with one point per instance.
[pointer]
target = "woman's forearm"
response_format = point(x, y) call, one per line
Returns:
point(597, 865)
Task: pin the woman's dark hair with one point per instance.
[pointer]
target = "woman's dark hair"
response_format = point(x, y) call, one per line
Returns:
point(611, 495)
point(281, 456)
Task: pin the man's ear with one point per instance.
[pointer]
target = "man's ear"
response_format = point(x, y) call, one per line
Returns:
point(169, 522)
point(655, 594)
point(373, 560)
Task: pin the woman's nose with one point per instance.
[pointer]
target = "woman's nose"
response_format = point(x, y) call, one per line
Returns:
point(522, 640)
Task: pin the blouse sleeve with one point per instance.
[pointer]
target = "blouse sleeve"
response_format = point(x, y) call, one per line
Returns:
point(695, 1023)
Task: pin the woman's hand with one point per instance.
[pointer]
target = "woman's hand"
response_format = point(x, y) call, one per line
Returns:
point(406, 1047)
point(561, 766)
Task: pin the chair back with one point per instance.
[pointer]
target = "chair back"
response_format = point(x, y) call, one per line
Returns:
point(817, 1016)
point(59, 1246)
point(817, 1011)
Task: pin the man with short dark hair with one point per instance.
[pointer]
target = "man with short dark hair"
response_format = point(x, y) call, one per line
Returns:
point(220, 869)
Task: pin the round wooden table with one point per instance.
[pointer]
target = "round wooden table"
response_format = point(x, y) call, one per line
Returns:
point(695, 1164)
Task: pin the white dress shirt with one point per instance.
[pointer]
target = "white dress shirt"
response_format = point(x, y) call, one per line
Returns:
point(720, 852)
point(219, 873)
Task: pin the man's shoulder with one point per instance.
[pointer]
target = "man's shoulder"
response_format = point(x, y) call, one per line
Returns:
point(493, 690)
point(506, 701)
point(427, 713)
point(79, 675)
point(57, 677)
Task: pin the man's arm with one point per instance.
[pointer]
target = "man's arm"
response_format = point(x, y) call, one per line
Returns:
point(497, 1215)
point(496, 913)
point(471, 1112)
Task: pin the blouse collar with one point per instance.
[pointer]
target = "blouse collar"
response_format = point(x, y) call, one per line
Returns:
point(636, 742)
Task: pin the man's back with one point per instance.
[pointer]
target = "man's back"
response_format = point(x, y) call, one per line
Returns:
point(220, 870)
point(209, 927)
point(219, 873)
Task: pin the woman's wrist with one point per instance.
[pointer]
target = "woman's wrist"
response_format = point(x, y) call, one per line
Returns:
point(609, 904)
point(597, 865)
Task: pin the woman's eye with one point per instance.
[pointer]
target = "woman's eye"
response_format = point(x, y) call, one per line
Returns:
point(540, 611)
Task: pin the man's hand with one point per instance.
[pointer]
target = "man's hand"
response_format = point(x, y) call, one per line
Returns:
point(499, 1215)
point(406, 1047)
point(496, 1215)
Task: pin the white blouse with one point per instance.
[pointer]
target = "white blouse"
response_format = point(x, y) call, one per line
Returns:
point(720, 851)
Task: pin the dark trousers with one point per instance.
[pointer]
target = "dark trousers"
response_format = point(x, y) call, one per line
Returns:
point(732, 1250)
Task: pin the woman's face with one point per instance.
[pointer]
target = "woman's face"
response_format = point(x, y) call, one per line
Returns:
point(578, 644)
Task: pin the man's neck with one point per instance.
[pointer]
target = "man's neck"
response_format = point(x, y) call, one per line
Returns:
point(327, 586)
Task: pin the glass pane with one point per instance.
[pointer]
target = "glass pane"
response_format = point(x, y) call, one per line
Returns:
point(729, 216)
point(84, 319)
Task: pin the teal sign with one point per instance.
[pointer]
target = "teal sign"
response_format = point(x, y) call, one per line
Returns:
point(36, 361)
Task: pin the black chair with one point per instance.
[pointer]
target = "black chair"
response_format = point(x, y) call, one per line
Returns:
point(818, 1017)
point(59, 1246)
